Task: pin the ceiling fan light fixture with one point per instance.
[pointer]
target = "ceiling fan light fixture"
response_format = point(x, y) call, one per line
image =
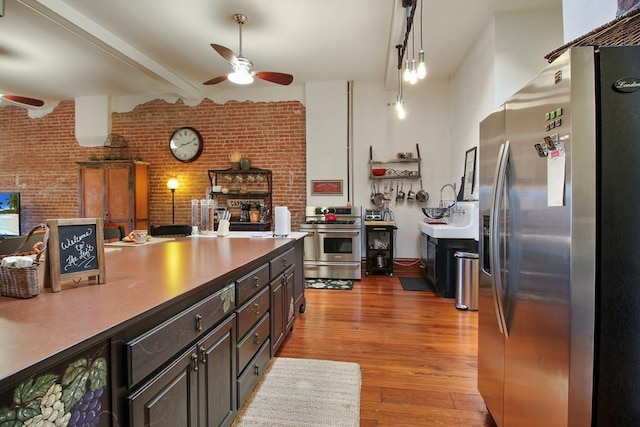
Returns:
point(240, 77)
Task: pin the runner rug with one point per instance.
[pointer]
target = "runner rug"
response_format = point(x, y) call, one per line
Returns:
point(339, 284)
point(305, 392)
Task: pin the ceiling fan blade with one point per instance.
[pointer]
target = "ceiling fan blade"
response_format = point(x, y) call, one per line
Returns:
point(225, 52)
point(23, 100)
point(273, 77)
point(216, 80)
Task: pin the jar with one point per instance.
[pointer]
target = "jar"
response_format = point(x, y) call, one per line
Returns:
point(245, 163)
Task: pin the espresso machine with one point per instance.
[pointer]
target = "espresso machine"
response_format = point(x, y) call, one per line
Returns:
point(244, 212)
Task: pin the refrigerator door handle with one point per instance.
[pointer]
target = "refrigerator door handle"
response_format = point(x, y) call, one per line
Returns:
point(499, 181)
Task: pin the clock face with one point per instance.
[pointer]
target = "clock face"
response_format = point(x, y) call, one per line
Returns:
point(186, 144)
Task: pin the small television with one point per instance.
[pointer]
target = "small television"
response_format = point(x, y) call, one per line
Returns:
point(9, 214)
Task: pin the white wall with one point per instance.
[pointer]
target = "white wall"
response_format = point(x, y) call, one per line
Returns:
point(376, 125)
point(326, 107)
point(509, 52)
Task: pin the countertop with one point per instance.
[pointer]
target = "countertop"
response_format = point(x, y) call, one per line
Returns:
point(138, 279)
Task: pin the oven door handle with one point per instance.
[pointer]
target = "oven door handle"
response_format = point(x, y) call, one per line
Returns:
point(342, 233)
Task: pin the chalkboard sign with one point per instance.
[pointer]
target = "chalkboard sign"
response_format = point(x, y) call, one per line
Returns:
point(75, 250)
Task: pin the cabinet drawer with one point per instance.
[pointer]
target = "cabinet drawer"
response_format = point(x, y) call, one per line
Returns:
point(253, 310)
point(152, 349)
point(251, 343)
point(255, 369)
point(248, 285)
point(281, 263)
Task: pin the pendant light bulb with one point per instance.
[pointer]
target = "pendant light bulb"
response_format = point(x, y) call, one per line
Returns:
point(401, 113)
point(407, 72)
point(413, 76)
point(422, 67)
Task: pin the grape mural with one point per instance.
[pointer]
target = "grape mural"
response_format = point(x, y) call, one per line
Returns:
point(73, 399)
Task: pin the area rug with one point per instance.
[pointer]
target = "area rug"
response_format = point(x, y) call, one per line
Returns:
point(339, 284)
point(305, 392)
point(415, 284)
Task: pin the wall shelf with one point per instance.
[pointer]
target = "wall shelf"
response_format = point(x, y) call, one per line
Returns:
point(409, 168)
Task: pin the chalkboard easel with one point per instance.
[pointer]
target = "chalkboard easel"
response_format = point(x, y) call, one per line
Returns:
point(75, 250)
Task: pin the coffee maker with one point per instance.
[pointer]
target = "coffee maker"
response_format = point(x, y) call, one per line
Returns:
point(244, 212)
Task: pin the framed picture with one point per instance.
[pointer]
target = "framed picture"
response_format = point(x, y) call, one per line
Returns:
point(326, 188)
point(469, 172)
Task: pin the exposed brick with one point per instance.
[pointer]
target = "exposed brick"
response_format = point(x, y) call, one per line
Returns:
point(38, 156)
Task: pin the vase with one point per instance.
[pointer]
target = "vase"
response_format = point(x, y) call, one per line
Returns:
point(245, 163)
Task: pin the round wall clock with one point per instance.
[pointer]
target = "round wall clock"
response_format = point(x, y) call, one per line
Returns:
point(186, 144)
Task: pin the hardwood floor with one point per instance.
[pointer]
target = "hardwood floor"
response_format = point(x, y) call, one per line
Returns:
point(416, 351)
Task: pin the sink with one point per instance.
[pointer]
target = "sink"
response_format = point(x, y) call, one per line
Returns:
point(463, 223)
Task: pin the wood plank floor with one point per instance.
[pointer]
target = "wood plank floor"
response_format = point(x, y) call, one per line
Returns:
point(416, 351)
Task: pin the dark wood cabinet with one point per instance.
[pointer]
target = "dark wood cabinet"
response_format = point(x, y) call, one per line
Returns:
point(116, 191)
point(197, 389)
point(440, 263)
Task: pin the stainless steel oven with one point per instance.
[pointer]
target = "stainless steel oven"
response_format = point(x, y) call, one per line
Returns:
point(332, 246)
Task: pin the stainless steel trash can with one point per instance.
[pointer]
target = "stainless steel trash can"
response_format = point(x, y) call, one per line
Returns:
point(467, 281)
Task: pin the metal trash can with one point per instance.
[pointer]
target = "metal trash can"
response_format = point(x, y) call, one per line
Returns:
point(467, 281)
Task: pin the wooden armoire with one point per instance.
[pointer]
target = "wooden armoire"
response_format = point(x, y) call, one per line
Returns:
point(117, 191)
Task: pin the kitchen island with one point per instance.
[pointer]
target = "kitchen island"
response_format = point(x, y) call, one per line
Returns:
point(125, 340)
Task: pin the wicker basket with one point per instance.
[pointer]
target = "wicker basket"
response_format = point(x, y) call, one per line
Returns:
point(22, 282)
point(622, 31)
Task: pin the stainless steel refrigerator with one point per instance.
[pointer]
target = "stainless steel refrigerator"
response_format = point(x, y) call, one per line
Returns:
point(559, 308)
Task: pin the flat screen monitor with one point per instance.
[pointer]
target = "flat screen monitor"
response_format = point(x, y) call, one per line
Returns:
point(9, 214)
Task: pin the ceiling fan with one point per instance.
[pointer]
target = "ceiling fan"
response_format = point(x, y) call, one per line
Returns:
point(242, 73)
point(21, 101)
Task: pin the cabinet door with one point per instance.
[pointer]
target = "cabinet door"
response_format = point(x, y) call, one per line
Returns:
point(278, 288)
point(92, 193)
point(289, 300)
point(217, 383)
point(171, 398)
point(120, 196)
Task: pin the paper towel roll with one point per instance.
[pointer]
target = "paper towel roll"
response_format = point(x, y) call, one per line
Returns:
point(283, 221)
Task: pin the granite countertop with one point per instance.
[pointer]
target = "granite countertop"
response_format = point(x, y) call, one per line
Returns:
point(138, 279)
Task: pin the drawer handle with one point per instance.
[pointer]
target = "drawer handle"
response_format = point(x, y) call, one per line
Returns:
point(194, 359)
point(284, 261)
point(256, 309)
point(203, 355)
point(256, 338)
point(199, 322)
point(257, 279)
point(256, 370)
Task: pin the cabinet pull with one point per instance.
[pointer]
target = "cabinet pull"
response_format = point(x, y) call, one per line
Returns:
point(194, 359)
point(284, 261)
point(256, 370)
point(198, 322)
point(203, 355)
point(256, 309)
point(256, 338)
point(257, 279)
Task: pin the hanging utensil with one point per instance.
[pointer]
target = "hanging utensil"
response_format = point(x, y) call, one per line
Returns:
point(422, 196)
point(399, 196)
point(411, 195)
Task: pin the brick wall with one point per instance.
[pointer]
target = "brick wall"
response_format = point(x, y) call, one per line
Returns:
point(37, 156)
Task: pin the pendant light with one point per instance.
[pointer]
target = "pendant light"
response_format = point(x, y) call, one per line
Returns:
point(413, 76)
point(422, 67)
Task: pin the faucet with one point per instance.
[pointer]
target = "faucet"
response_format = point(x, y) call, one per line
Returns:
point(453, 188)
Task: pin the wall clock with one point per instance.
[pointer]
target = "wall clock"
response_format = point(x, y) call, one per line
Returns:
point(186, 144)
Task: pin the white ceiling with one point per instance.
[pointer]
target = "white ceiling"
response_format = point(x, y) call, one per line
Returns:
point(62, 49)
